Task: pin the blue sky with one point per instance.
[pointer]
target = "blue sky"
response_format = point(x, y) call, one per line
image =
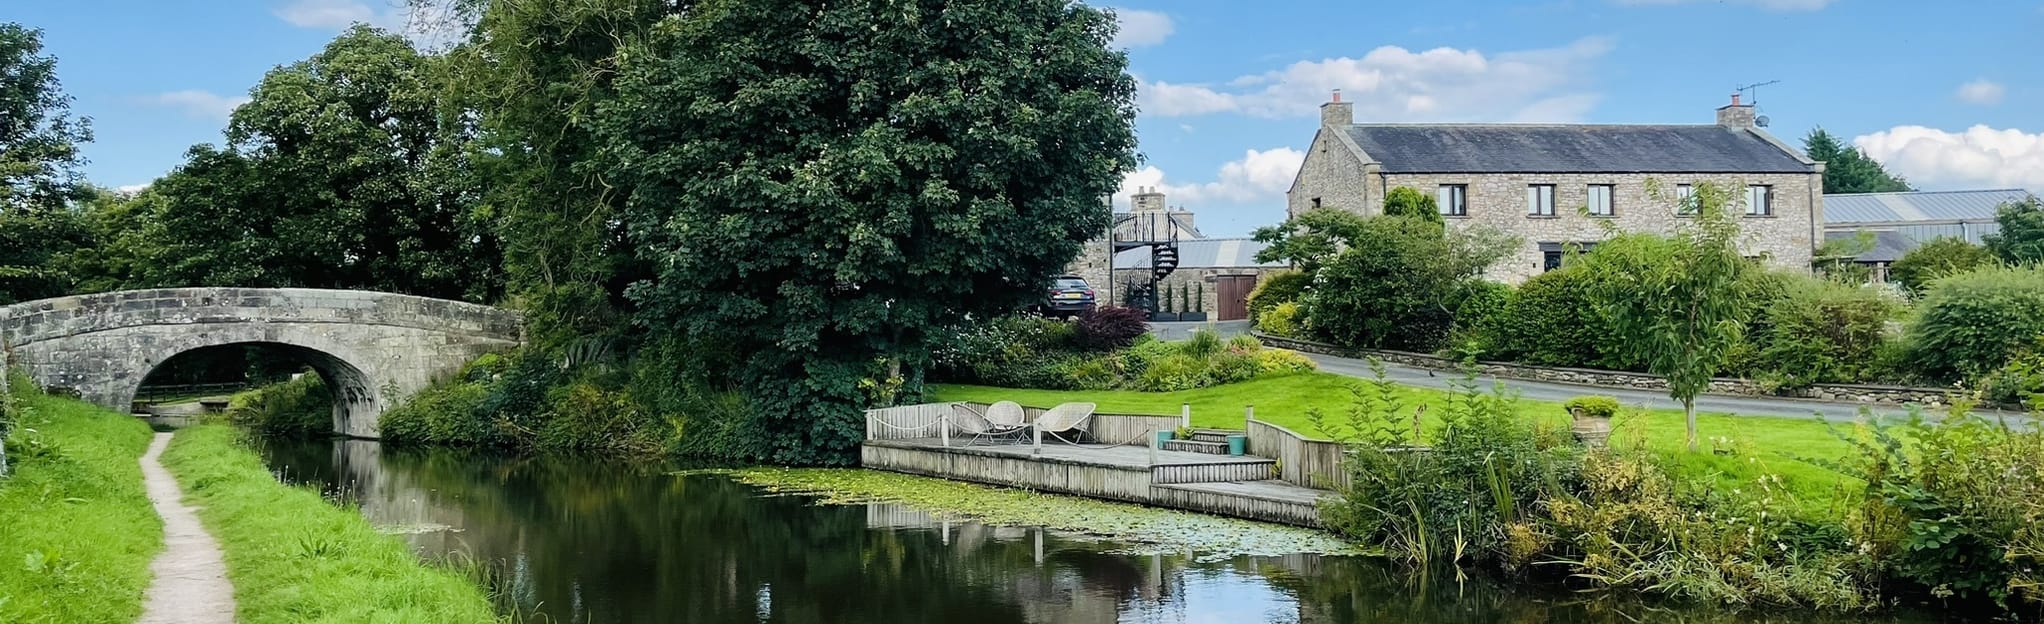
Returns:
point(1933, 89)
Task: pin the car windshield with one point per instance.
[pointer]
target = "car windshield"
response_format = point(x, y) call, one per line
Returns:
point(1071, 282)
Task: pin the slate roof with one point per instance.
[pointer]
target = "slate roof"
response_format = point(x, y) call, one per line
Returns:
point(1525, 148)
point(1918, 206)
point(1204, 253)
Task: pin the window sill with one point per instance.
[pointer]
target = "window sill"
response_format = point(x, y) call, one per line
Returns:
point(1759, 216)
point(1459, 216)
point(1534, 216)
point(1598, 216)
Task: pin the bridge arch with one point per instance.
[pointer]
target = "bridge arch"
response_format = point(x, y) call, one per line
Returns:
point(374, 349)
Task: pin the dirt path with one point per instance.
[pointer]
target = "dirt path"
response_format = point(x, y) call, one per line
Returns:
point(189, 583)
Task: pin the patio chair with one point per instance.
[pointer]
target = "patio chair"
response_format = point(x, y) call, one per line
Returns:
point(1070, 419)
point(970, 422)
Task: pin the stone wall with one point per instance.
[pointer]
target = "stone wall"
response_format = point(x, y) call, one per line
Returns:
point(373, 349)
point(1331, 177)
point(1852, 393)
point(1499, 201)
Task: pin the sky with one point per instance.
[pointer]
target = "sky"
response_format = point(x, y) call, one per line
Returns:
point(1230, 89)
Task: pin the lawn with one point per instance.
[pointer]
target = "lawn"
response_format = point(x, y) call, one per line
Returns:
point(76, 529)
point(294, 557)
point(1754, 446)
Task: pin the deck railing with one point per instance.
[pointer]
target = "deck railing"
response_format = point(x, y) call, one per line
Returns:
point(1301, 460)
point(927, 421)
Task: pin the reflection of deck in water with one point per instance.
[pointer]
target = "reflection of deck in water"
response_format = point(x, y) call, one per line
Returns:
point(1243, 487)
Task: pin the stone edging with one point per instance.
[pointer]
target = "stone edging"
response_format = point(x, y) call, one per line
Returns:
point(1895, 395)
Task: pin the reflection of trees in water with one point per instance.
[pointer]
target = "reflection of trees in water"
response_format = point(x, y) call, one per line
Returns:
point(589, 541)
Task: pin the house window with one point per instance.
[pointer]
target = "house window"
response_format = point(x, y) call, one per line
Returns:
point(1553, 254)
point(1759, 200)
point(1685, 199)
point(1600, 201)
point(1540, 200)
point(1316, 203)
point(1454, 200)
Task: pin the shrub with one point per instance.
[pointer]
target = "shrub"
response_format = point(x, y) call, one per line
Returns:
point(1553, 321)
point(1941, 256)
point(1173, 372)
point(1282, 362)
point(1111, 327)
point(1970, 324)
point(1593, 406)
point(1278, 289)
point(1823, 332)
point(1392, 288)
point(446, 415)
point(1281, 320)
point(301, 407)
point(1203, 344)
point(1480, 309)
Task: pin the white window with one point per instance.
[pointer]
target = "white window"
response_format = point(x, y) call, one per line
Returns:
point(1759, 200)
point(1540, 200)
point(1453, 200)
point(1600, 201)
point(1685, 199)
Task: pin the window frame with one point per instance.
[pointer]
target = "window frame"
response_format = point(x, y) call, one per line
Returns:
point(1685, 200)
point(1540, 200)
point(1610, 200)
point(1765, 208)
point(1459, 193)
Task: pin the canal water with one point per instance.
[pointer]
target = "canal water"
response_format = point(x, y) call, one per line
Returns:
point(581, 540)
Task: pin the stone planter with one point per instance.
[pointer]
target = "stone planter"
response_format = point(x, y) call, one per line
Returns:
point(1164, 317)
point(1192, 316)
point(1591, 431)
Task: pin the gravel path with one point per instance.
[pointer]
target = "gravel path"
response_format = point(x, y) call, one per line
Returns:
point(189, 579)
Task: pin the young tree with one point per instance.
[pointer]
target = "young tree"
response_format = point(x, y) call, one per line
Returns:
point(39, 138)
point(829, 185)
point(1309, 239)
point(2021, 239)
point(1942, 256)
point(1848, 169)
point(1404, 201)
point(1678, 303)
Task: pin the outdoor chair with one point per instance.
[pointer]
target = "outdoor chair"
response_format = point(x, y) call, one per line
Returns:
point(1070, 419)
point(970, 422)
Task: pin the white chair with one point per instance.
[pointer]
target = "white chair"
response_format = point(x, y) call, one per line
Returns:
point(1070, 419)
point(971, 422)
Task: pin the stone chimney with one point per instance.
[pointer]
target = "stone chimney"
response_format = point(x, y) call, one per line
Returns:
point(1146, 200)
point(1736, 115)
point(1337, 113)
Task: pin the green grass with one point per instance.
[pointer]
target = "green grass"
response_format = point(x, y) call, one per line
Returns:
point(294, 557)
point(76, 529)
point(1760, 445)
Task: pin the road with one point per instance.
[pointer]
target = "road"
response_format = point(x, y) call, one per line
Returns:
point(1559, 392)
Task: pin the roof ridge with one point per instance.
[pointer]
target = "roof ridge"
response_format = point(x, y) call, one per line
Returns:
point(1501, 124)
point(1999, 190)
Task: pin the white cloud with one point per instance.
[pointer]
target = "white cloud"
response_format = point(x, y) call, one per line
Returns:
point(1142, 28)
point(1771, 5)
point(1392, 83)
point(131, 189)
point(1260, 175)
point(201, 104)
point(1980, 157)
point(427, 25)
point(1982, 91)
point(337, 14)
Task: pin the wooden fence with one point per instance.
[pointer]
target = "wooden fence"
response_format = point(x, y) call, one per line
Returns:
point(921, 421)
point(1301, 460)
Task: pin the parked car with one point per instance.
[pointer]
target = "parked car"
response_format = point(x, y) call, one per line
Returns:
point(1069, 295)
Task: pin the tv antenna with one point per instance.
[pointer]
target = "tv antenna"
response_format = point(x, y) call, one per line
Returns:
point(1754, 89)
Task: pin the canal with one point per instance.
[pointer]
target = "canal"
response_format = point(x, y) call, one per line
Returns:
point(580, 540)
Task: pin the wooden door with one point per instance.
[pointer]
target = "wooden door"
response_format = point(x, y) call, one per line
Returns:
point(1232, 296)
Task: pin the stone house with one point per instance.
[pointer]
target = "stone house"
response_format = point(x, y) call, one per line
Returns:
point(1554, 185)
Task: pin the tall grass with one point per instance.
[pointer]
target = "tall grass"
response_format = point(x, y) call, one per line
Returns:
point(76, 528)
point(293, 557)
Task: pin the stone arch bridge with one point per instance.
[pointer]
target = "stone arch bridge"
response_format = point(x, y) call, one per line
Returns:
point(373, 349)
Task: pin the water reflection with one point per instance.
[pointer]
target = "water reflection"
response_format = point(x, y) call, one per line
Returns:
point(579, 540)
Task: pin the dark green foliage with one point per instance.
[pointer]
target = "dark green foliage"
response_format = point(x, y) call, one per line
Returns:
point(529, 400)
point(299, 408)
point(1847, 169)
point(1307, 240)
point(1939, 257)
point(1111, 327)
point(1553, 320)
point(1393, 286)
point(32, 244)
point(828, 185)
point(1823, 332)
point(39, 139)
point(1969, 324)
point(1029, 352)
point(1280, 288)
point(1404, 201)
point(1480, 309)
point(2021, 238)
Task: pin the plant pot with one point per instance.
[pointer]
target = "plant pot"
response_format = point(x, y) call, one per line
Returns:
point(1591, 431)
point(1238, 445)
point(1164, 317)
point(1164, 436)
point(1192, 316)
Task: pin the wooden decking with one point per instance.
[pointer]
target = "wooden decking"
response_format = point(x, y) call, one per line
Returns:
point(1236, 486)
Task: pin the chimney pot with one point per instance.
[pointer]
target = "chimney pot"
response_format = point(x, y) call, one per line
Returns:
point(1735, 99)
point(1337, 95)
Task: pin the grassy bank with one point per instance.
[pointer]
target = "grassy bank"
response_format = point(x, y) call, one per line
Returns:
point(1751, 446)
point(294, 557)
point(76, 529)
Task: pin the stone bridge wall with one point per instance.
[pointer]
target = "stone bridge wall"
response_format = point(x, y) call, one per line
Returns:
point(374, 349)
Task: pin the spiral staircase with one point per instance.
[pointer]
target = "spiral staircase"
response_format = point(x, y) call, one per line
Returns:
point(1158, 233)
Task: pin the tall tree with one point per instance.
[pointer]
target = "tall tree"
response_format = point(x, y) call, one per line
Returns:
point(830, 184)
point(39, 162)
point(339, 172)
point(1310, 239)
point(1678, 303)
point(1848, 169)
point(1406, 201)
point(2021, 238)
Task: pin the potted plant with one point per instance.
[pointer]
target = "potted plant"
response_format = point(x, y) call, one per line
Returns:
point(1197, 305)
point(1165, 310)
point(1591, 418)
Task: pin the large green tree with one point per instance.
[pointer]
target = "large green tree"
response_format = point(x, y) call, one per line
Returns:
point(340, 172)
point(1311, 238)
point(1396, 283)
point(39, 162)
point(2021, 238)
point(829, 185)
point(1847, 169)
point(1939, 257)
